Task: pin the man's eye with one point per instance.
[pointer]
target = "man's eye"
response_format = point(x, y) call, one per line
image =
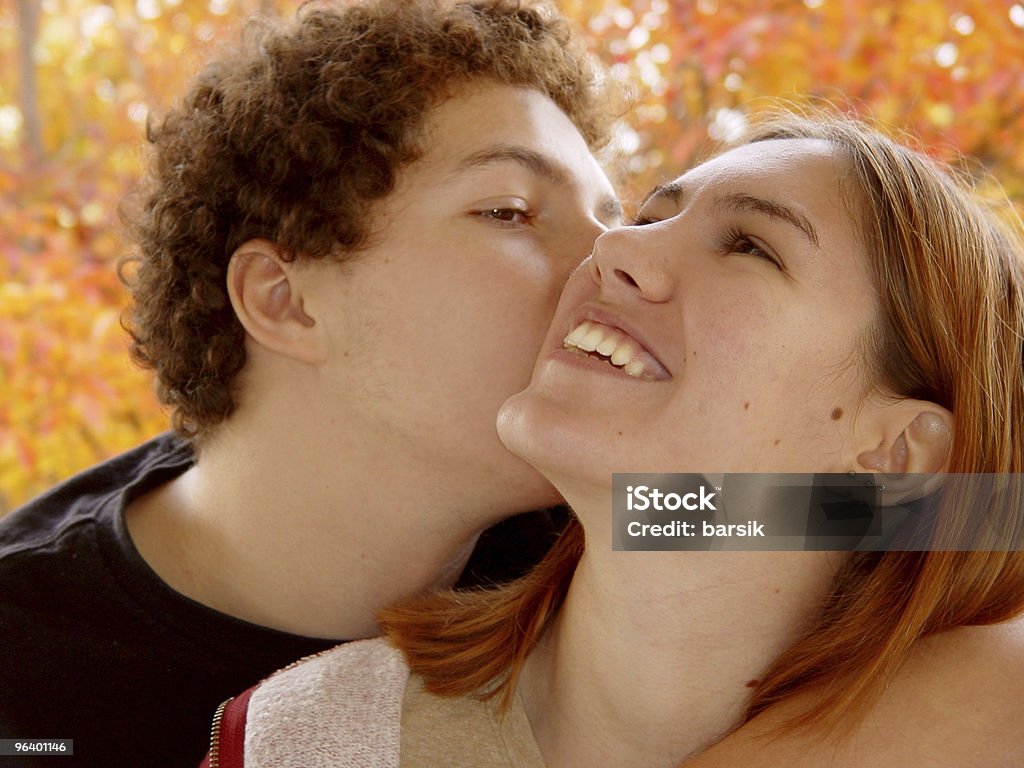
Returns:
point(506, 215)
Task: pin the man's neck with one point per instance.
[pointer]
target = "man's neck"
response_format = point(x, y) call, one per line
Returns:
point(260, 530)
point(652, 657)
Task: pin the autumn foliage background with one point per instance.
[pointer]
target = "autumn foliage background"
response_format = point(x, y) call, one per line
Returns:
point(79, 77)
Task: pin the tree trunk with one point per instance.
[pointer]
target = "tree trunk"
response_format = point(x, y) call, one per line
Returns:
point(28, 26)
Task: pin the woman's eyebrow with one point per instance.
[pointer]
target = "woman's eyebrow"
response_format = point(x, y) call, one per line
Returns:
point(770, 208)
point(672, 190)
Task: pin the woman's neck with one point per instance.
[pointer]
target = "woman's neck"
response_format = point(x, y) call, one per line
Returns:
point(654, 654)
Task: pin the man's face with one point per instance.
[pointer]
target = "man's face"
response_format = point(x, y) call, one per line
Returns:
point(440, 319)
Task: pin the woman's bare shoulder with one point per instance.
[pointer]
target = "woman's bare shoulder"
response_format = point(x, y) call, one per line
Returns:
point(983, 665)
point(957, 703)
point(959, 699)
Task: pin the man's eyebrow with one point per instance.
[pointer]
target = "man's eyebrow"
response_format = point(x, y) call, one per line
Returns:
point(500, 153)
point(772, 209)
point(536, 163)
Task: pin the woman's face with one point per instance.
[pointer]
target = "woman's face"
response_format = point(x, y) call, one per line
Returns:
point(723, 334)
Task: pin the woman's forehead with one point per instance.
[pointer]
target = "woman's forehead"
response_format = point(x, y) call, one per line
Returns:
point(804, 172)
point(764, 160)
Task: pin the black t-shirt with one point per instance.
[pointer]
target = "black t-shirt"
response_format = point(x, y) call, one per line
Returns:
point(95, 647)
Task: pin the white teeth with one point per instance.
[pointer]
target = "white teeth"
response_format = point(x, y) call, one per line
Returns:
point(591, 340)
point(622, 354)
point(607, 346)
point(576, 334)
point(607, 342)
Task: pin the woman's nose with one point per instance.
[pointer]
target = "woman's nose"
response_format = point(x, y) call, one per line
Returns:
point(626, 261)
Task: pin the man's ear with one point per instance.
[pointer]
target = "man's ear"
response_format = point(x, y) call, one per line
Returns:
point(908, 443)
point(267, 298)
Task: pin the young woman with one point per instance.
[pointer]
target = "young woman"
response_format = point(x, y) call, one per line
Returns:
point(817, 299)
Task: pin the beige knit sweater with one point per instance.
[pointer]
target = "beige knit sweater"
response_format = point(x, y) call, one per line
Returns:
point(355, 706)
point(339, 709)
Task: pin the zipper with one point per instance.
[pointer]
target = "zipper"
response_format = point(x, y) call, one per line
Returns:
point(218, 715)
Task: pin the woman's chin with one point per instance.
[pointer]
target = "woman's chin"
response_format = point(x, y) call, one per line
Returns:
point(520, 429)
point(537, 431)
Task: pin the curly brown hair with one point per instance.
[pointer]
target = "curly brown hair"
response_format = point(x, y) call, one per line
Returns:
point(293, 138)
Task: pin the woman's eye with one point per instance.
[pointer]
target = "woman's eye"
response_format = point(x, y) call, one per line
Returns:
point(744, 244)
point(642, 221)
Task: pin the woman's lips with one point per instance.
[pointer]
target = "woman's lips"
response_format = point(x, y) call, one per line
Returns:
point(605, 339)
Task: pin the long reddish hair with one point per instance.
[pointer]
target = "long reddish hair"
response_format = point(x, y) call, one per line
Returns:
point(950, 278)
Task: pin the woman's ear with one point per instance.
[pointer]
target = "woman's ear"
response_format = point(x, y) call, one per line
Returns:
point(267, 298)
point(909, 444)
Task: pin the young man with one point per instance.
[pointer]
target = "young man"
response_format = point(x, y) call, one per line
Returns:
point(352, 241)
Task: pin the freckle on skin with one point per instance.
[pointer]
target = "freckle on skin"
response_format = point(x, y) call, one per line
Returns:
point(746, 406)
point(777, 441)
point(777, 590)
point(837, 414)
point(753, 683)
